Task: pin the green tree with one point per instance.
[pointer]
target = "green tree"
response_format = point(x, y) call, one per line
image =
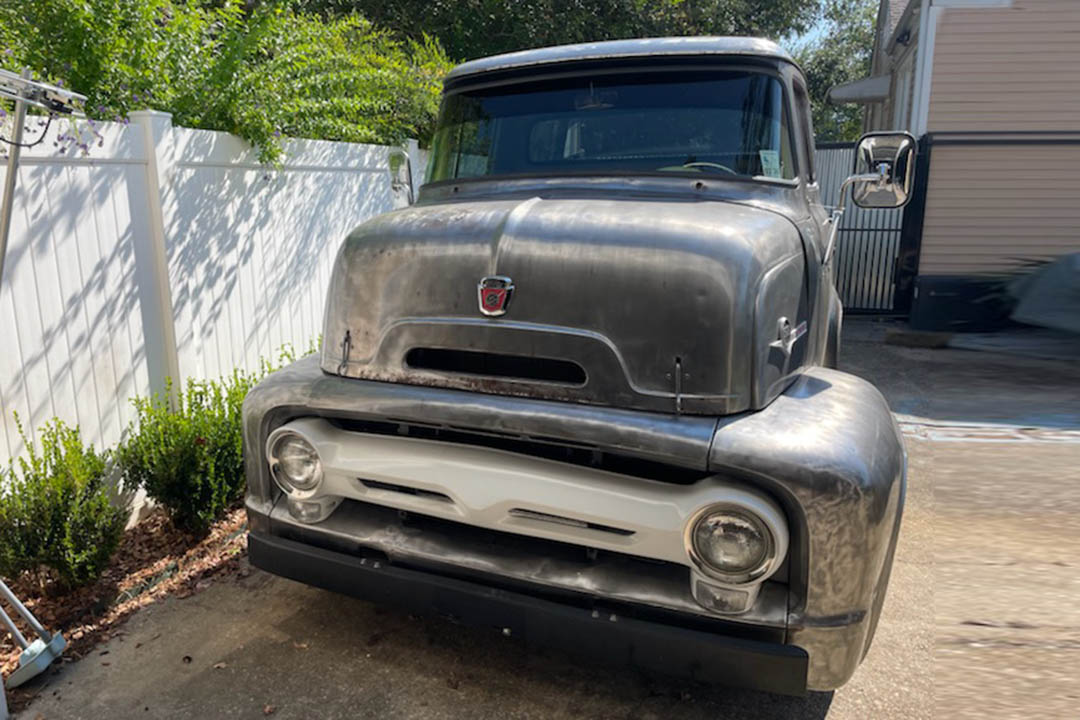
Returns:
point(260, 70)
point(475, 28)
point(840, 53)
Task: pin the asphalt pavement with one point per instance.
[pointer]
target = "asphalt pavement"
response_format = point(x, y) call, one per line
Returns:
point(981, 619)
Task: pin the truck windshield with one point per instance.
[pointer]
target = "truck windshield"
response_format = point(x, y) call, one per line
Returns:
point(725, 123)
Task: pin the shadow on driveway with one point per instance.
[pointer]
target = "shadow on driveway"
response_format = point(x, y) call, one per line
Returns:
point(264, 642)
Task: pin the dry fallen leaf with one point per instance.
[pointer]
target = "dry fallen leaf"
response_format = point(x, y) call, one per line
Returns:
point(154, 560)
point(219, 666)
point(269, 709)
point(300, 645)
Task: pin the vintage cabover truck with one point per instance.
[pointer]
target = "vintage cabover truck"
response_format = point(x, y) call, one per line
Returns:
point(579, 390)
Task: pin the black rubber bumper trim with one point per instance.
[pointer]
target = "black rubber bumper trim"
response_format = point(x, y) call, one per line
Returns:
point(665, 648)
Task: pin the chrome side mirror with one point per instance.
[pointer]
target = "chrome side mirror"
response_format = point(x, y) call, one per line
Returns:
point(884, 177)
point(401, 177)
point(884, 170)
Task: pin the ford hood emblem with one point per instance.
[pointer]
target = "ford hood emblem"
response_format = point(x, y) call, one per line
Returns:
point(494, 294)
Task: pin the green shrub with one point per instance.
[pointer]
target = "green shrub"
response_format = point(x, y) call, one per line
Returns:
point(56, 515)
point(190, 460)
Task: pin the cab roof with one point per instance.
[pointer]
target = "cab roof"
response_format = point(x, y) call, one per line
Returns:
point(616, 49)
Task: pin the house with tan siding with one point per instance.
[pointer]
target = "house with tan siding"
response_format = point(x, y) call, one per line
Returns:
point(992, 90)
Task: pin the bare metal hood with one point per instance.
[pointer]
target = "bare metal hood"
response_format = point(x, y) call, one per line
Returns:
point(621, 292)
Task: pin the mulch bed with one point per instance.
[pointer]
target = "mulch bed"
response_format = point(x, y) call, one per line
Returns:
point(154, 560)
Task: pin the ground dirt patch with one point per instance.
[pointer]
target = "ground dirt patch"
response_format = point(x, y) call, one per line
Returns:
point(154, 560)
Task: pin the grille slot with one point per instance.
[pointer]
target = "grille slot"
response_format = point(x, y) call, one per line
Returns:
point(405, 490)
point(571, 522)
point(514, 367)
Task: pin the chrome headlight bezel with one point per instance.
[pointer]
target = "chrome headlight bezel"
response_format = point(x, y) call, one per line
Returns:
point(769, 523)
point(281, 478)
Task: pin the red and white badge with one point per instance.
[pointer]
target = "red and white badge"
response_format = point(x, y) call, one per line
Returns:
point(494, 294)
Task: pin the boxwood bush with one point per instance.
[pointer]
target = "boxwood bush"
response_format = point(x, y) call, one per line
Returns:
point(63, 510)
point(190, 460)
point(58, 519)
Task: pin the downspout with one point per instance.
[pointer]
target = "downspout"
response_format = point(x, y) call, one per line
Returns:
point(907, 261)
point(920, 111)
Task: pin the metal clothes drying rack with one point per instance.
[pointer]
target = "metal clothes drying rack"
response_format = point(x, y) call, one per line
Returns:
point(36, 655)
point(27, 92)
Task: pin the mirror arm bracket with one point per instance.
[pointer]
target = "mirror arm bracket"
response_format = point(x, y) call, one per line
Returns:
point(881, 178)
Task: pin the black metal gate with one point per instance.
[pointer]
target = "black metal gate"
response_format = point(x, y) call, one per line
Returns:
point(868, 243)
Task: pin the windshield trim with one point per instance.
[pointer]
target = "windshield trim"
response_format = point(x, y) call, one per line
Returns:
point(786, 102)
point(597, 68)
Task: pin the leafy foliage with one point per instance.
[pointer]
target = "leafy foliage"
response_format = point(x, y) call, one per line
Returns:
point(262, 73)
point(56, 515)
point(190, 460)
point(474, 28)
point(840, 54)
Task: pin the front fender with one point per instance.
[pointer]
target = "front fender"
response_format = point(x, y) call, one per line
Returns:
point(831, 452)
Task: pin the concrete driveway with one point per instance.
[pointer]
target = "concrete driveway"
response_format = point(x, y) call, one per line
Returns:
point(981, 618)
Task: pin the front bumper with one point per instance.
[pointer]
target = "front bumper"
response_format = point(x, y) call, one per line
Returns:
point(500, 558)
point(827, 451)
point(608, 637)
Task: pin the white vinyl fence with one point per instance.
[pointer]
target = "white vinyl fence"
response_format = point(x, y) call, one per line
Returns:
point(167, 252)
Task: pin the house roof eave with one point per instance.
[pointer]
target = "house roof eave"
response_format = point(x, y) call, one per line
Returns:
point(905, 23)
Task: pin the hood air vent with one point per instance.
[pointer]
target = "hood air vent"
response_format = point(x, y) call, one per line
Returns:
point(515, 367)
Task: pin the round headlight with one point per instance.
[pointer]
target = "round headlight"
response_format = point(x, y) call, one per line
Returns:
point(296, 463)
point(731, 544)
